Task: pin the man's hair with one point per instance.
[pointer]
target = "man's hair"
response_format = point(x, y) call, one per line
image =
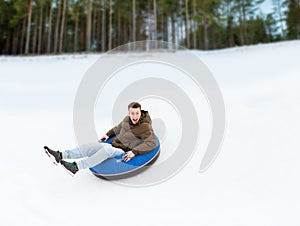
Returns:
point(134, 105)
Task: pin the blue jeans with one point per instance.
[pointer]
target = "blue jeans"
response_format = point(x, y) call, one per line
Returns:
point(92, 154)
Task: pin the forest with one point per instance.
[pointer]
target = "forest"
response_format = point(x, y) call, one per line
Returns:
point(71, 26)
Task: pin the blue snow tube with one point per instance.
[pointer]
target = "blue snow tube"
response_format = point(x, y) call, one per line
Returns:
point(114, 168)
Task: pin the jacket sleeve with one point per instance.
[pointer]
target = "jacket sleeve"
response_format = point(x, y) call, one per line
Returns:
point(115, 130)
point(148, 141)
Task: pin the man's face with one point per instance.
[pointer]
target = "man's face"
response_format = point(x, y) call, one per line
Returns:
point(134, 114)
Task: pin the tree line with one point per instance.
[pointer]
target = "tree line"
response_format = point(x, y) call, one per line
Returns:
point(70, 26)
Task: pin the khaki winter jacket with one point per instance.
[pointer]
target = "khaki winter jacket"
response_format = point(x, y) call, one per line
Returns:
point(138, 138)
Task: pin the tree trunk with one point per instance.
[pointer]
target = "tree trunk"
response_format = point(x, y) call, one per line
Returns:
point(7, 44)
point(82, 44)
point(130, 30)
point(165, 24)
point(166, 29)
point(34, 33)
point(45, 29)
point(58, 15)
point(161, 27)
point(149, 21)
point(244, 22)
point(23, 36)
point(155, 19)
point(94, 23)
point(75, 44)
point(241, 32)
point(139, 34)
point(124, 32)
point(40, 30)
point(205, 33)
point(15, 38)
point(119, 27)
point(187, 23)
point(19, 36)
point(114, 35)
point(28, 27)
point(110, 26)
point(133, 21)
point(194, 25)
point(214, 37)
point(231, 35)
point(88, 26)
point(181, 23)
point(99, 27)
point(173, 30)
point(62, 26)
point(103, 40)
point(49, 28)
point(242, 41)
point(65, 43)
point(229, 24)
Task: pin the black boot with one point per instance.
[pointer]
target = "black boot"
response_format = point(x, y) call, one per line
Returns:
point(70, 166)
point(57, 155)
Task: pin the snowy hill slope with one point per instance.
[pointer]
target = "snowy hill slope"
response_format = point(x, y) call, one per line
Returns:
point(254, 180)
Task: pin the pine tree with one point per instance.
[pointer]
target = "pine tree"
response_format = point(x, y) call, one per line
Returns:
point(278, 8)
point(59, 26)
point(293, 19)
point(271, 28)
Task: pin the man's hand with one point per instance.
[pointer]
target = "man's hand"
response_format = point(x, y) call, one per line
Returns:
point(129, 155)
point(103, 138)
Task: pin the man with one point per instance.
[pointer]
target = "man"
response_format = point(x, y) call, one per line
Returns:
point(133, 136)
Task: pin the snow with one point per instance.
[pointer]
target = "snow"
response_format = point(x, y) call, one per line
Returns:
point(252, 182)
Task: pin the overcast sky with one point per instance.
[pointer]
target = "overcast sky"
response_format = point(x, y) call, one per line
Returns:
point(267, 6)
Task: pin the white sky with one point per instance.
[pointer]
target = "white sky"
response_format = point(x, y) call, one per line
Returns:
point(267, 6)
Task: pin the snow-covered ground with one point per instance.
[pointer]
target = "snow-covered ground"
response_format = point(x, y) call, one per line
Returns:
point(253, 182)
